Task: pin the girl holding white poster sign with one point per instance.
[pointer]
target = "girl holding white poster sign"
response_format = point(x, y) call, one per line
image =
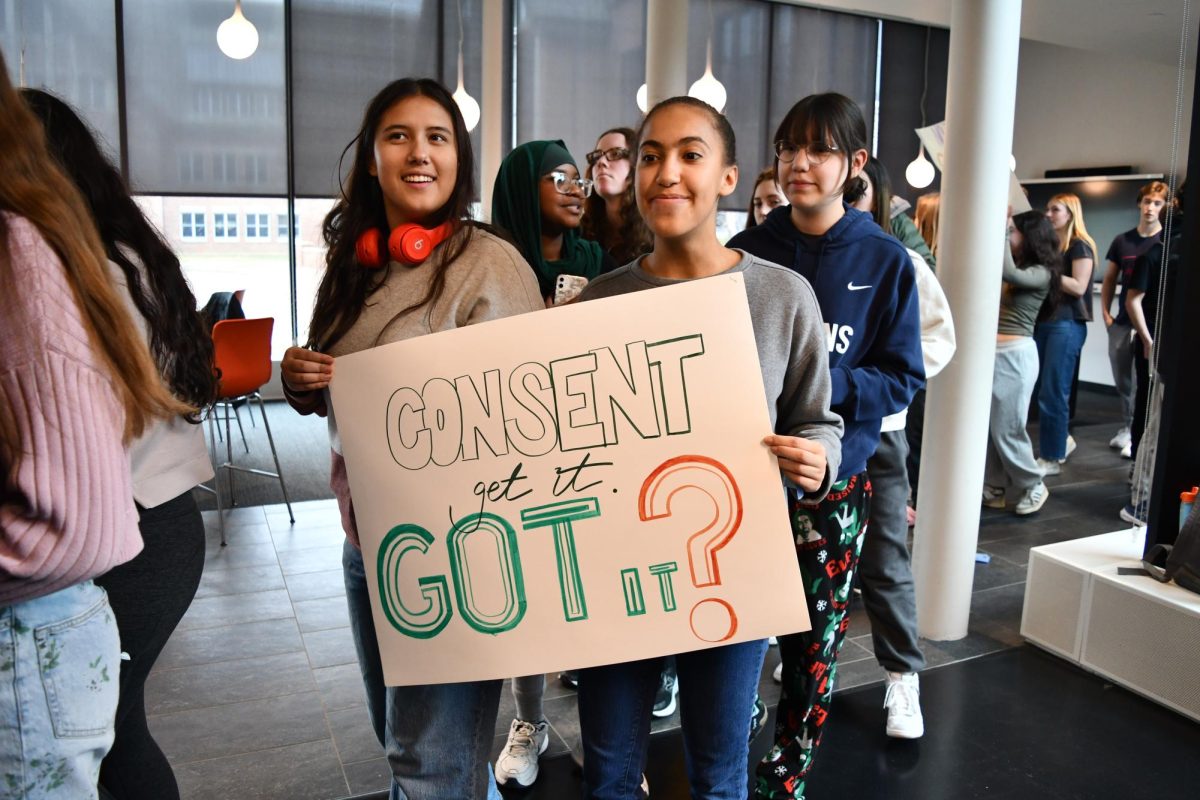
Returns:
point(402, 262)
point(867, 290)
point(685, 163)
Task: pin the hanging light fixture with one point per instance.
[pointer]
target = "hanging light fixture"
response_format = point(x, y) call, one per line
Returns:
point(466, 103)
point(920, 171)
point(708, 88)
point(642, 94)
point(237, 37)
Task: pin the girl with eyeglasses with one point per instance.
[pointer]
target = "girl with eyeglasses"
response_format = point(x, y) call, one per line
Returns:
point(611, 216)
point(538, 200)
point(412, 164)
point(686, 162)
point(867, 292)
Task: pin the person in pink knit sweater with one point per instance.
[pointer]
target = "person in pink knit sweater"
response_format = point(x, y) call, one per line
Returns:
point(76, 384)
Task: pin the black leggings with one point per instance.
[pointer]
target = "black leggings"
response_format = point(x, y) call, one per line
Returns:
point(149, 596)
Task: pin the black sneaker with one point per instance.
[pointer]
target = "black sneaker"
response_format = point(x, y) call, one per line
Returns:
point(758, 719)
point(668, 690)
point(569, 678)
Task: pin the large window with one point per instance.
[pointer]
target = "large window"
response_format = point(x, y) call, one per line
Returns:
point(225, 225)
point(256, 226)
point(191, 226)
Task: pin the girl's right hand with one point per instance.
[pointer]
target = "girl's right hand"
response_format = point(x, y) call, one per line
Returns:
point(305, 370)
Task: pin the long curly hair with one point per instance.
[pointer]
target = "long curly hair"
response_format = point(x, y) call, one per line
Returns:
point(33, 186)
point(345, 286)
point(178, 339)
point(631, 238)
point(1040, 246)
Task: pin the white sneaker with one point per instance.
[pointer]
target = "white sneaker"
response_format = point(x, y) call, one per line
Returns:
point(1121, 440)
point(903, 702)
point(1127, 450)
point(993, 496)
point(1071, 445)
point(777, 675)
point(1050, 466)
point(518, 762)
point(1033, 499)
point(772, 641)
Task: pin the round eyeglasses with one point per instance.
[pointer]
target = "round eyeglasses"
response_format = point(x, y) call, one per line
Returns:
point(612, 154)
point(566, 185)
point(816, 152)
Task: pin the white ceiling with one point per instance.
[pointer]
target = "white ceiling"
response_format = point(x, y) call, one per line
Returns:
point(1148, 30)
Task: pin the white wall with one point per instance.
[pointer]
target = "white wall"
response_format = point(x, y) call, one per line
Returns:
point(1077, 108)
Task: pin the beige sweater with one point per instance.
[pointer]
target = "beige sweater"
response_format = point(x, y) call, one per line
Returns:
point(490, 280)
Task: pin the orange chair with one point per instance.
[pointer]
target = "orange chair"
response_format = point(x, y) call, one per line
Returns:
point(242, 358)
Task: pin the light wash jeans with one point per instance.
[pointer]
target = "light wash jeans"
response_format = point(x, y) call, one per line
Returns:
point(438, 738)
point(1010, 463)
point(60, 660)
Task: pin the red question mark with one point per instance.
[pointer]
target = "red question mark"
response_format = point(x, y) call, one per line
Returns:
point(712, 619)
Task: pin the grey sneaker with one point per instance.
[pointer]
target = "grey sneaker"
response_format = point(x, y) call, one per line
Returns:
point(993, 496)
point(518, 761)
point(1033, 499)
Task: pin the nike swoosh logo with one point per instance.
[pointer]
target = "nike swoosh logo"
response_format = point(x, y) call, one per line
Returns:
point(854, 288)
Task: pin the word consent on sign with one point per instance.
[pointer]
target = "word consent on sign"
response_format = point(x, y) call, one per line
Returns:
point(567, 488)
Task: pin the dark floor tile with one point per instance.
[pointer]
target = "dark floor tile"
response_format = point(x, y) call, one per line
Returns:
point(368, 776)
point(1000, 606)
point(308, 771)
point(1015, 550)
point(998, 572)
point(563, 715)
point(857, 673)
point(938, 653)
point(851, 651)
point(232, 609)
point(223, 682)
point(236, 728)
point(340, 686)
point(242, 580)
point(330, 647)
point(321, 614)
point(247, 640)
point(311, 559)
point(353, 735)
point(314, 585)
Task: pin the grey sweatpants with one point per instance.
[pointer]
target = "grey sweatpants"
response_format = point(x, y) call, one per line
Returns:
point(885, 567)
point(1010, 463)
point(1120, 358)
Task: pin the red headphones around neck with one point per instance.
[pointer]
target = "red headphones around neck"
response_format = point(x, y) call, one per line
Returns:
point(409, 244)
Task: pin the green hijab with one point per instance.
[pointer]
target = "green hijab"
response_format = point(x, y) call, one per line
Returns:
point(517, 209)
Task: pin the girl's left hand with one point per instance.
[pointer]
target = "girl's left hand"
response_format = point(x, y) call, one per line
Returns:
point(801, 460)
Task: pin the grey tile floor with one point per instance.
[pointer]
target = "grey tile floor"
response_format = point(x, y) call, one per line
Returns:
point(258, 695)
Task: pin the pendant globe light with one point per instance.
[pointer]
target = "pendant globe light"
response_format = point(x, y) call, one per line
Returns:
point(237, 37)
point(466, 103)
point(708, 88)
point(920, 171)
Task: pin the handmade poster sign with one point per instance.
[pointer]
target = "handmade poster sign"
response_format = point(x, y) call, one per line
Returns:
point(570, 487)
point(934, 139)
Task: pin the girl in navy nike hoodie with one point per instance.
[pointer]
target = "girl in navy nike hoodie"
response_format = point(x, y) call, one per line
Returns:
point(866, 288)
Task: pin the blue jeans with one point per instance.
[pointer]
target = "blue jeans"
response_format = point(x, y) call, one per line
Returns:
point(1059, 343)
point(717, 688)
point(60, 660)
point(438, 738)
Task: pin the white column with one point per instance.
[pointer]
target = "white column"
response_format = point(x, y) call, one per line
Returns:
point(492, 102)
point(980, 101)
point(666, 49)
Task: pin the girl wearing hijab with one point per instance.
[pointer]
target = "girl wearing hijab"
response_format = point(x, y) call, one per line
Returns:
point(538, 201)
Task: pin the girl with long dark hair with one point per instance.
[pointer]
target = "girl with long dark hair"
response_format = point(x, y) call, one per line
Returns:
point(686, 162)
point(412, 164)
point(76, 385)
point(1031, 277)
point(867, 292)
point(611, 216)
point(151, 593)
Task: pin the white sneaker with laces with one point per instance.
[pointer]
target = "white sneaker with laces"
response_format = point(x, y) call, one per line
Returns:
point(518, 761)
point(777, 675)
point(993, 496)
point(1033, 499)
point(1050, 466)
point(1121, 440)
point(903, 703)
